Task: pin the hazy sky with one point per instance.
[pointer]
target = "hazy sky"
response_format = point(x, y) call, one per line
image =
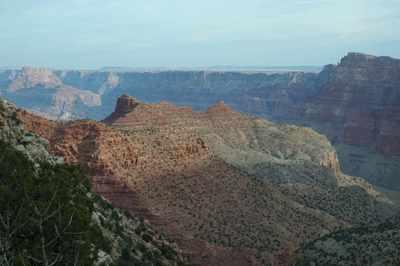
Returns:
point(89, 34)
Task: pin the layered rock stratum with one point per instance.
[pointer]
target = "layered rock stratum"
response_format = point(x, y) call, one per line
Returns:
point(169, 165)
point(359, 83)
point(43, 93)
point(355, 107)
point(358, 109)
point(326, 100)
point(128, 238)
point(69, 94)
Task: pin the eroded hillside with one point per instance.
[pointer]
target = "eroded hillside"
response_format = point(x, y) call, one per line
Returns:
point(163, 163)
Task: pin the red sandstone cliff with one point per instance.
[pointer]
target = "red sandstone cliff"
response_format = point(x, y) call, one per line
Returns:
point(222, 126)
point(160, 166)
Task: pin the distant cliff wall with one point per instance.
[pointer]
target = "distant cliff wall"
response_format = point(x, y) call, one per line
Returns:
point(358, 108)
point(360, 82)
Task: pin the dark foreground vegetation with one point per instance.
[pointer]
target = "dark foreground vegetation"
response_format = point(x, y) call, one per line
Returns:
point(46, 218)
point(45, 213)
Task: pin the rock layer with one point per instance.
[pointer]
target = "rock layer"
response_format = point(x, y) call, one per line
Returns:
point(230, 132)
point(358, 109)
point(215, 212)
point(360, 82)
point(42, 92)
point(254, 93)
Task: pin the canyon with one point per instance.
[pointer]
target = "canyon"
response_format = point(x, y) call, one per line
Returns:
point(170, 165)
point(194, 155)
point(93, 94)
point(343, 102)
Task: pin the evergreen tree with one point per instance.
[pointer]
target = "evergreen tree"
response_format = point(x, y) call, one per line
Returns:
point(45, 213)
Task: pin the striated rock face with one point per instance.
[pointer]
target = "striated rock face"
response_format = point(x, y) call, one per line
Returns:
point(42, 92)
point(254, 93)
point(380, 127)
point(370, 145)
point(286, 91)
point(98, 82)
point(360, 82)
point(161, 165)
point(358, 109)
point(125, 104)
point(197, 89)
point(232, 135)
point(29, 77)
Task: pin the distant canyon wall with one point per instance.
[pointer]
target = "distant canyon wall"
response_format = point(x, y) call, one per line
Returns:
point(354, 103)
point(66, 95)
point(358, 108)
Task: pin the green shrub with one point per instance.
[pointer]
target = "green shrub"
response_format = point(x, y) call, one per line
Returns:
point(146, 237)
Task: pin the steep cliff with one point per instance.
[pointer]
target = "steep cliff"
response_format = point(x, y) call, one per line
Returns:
point(380, 127)
point(358, 109)
point(98, 82)
point(370, 145)
point(42, 92)
point(255, 93)
point(360, 82)
point(93, 94)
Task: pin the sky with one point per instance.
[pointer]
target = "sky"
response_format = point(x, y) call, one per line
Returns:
point(79, 34)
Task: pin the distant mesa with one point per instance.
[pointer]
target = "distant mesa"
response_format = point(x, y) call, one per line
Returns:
point(115, 68)
point(133, 68)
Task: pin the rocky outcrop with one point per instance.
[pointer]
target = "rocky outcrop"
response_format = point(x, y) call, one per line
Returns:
point(358, 109)
point(360, 82)
point(30, 77)
point(370, 145)
point(12, 130)
point(241, 140)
